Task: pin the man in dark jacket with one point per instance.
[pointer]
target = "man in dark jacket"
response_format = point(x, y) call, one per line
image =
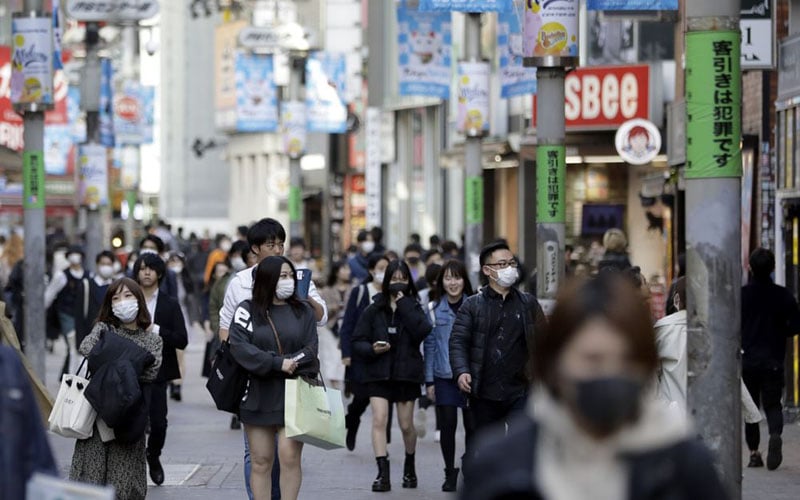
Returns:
point(492, 334)
point(168, 323)
point(769, 316)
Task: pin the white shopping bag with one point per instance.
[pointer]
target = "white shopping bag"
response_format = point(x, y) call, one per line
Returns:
point(72, 415)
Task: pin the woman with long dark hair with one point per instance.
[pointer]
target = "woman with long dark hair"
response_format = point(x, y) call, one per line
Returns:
point(274, 337)
point(452, 286)
point(335, 294)
point(388, 338)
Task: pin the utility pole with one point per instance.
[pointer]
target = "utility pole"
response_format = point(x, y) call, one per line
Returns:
point(713, 232)
point(90, 102)
point(33, 201)
point(473, 188)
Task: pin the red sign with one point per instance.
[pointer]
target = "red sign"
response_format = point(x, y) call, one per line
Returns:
point(127, 108)
point(604, 97)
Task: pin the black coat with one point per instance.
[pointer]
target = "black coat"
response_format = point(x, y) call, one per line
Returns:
point(403, 362)
point(172, 330)
point(769, 317)
point(471, 332)
point(504, 464)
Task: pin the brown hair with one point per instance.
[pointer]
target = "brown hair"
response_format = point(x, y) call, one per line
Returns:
point(608, 296)
point(106, 314)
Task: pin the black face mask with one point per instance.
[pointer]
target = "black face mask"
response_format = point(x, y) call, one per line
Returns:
point(396, 288)
point(413, 261)
point(607, 404)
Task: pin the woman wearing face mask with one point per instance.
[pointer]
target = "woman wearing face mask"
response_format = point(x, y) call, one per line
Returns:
point(590, 431)
point(452, 286)
point(388, 337)
point(189, 300)
point(335, 295)
point(274, 337)
point(360, 298)
point(122, 465)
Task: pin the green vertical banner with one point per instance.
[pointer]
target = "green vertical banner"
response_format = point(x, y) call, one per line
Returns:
point(33, 179)
point(713, 104)
point(474, 199)
point(551, 180)
point(295, 204)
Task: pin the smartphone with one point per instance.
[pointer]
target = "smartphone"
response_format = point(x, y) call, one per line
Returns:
point(381, 343)
point(303, 283)
point(299, 357)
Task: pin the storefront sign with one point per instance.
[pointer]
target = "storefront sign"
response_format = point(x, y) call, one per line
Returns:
point(551, 179)
point(473, 98)
point(293, 124)
point(326, 81)
point(638, 141)
point(604, 97)
point(32, 61)
point(424, 47)
point(758, 35)
point(290, 36)
point(256, 94)
point(93, 163)
point(551, 30)
point(33, 179)
point(465, 5)
point(474, 199)
point(515, 79)
point(372, 167)
point(631, 4)
point(713, 104)
point(112, 10)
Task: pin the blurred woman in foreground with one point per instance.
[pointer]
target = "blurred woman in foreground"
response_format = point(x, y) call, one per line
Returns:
point(590, 430)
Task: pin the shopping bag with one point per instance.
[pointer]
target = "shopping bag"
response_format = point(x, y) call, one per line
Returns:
point(314, 414)
point(227, 381)
point(72, 415)
point(106, 432)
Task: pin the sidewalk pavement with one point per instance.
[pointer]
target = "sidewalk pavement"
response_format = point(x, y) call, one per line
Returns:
point(203, 457)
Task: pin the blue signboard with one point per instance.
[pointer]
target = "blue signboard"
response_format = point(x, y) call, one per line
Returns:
point(632, 4)
point(326, 79)
point(424, 46)
point(465, 5)
point(256, 94)
point(57, 144)
point(515, 79)
point(106, 103)
point(74, 116)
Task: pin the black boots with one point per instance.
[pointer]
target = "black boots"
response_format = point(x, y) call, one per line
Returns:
point(450, 480)
point(175, 392)
point(351, 422)
point(382, 482)
point(774, 452)
point(409, 472)
point(156, 470)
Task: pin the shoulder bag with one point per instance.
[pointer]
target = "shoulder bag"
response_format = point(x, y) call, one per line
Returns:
point(227, 382)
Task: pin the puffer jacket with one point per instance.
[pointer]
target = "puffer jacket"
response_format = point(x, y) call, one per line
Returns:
point(472, 329)
point(403, 362)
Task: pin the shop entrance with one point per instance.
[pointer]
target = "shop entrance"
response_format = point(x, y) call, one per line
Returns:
point(791, 261)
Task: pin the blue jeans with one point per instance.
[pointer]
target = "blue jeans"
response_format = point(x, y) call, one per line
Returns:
point(276, 470)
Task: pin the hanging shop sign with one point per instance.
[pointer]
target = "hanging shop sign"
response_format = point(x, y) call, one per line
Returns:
point(107, 138)
point(32, 61)
point(326, 81)
point(133, 113)
point(473, 98)
point(256, 94)
point(465, 5)
point(424, 50)
point(713, 104)
point(638, 141)
point(93, 163)
point(515, 79)
point(551, 179)
point(551, 31)
point(293, 125)
point(112, 10)
point(372, 167)
point(758, 34)
point(289, 36)
point(225, 43)
point(631, 4)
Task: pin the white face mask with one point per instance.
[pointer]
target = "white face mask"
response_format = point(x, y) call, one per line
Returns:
point(367, 246)
point(378, 278)
point(105, 272)
point(177, 268)
point(238, 264)
point(117, 267)
point(74, 258)
point(126, 310)
point(225, 246)
point(507, 277)
point(285, 289)
point(147, 250)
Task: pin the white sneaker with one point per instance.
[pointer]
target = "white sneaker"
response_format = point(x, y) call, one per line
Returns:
point(437, 437)
point(420, 423)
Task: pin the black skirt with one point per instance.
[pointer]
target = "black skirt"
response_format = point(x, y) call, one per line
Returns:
point(394, 391)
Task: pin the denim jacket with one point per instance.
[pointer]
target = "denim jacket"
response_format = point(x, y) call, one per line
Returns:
point(437, 349)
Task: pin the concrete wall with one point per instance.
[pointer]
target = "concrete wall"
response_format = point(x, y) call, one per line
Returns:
point(647, 247)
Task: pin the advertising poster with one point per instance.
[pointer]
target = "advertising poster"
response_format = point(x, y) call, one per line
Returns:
point(551, 28)
point(93, 164)
point(106, 103)
point(256, 94)
point(515, 79)
point(57, 145)
point(551, 179)
point(465, 5)
point(326, 79)
point(424, 47)
point(147, 100)
point(713, 104)
point(473, 98)
point(127, 113)
point(32, 61)
point(77, 121)
point(293, 125)
point(225, 42)
point(631, 4)
point(372, 170)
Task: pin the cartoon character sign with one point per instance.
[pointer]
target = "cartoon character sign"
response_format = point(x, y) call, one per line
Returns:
point(424, 47)
point(551, 28)
point(638, 141)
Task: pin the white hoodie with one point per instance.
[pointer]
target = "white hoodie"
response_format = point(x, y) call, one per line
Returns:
point(674, 369)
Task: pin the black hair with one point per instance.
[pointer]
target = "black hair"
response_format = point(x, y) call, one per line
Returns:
point(265, 231)
point(681, 264)
point(266, 276)
point(297, 242)
point(393, 267)
point(430, 253)
point(450, 247)
point(362, 236)
point(762, 263)
point(491, 248)
point(372, 262)
point(75, 249)
point(239, 248)
point(377, 234)
point(431, 275)
point(151, 261)
point(413, 247)
point(415, 238)
point(155, 239)
point(335, 267)
point(434, 240)
point(242, 230)
point(457, 268)
point(105, 253)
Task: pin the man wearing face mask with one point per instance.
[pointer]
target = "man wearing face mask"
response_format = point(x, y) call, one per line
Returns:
point(90, 300)
point(491, 339)
point(154, 245)
point(360, 262)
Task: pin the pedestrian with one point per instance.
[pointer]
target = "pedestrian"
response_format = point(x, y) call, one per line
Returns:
point(360, 298)
point(273, 337)
point(492, 336)
point(616, 250)
point(359, 263)
point(770, 316)
point(388, 337)
point(453, 287)
point(154, 245)
point(336, 295)
point(590, 429)
point(90, 301)
point(412, 255)
point(297, 254)
point(673, 369)
point(168, 323)
point(122, 465)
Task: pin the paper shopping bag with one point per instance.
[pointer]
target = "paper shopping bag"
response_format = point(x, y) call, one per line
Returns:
point(72, 415)
point(314, 414)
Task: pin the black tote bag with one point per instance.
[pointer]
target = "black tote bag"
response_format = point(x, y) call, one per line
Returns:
point(227, 381)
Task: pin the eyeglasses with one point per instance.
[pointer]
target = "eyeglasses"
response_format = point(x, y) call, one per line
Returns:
point(503, 264)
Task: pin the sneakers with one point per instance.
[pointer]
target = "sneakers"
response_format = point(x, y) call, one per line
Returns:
point(420, 423)
point(774, 452)
point(756, 460)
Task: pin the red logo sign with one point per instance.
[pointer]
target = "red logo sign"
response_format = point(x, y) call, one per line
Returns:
point(604, 97)
point(127, 108)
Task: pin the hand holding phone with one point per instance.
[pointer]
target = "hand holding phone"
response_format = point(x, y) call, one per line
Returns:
point(303, 283)
point(381, 346)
